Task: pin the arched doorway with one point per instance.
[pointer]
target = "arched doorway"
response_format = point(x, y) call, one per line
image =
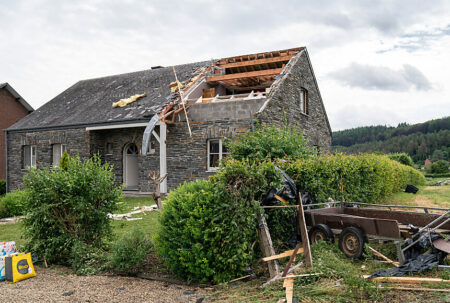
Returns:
point(130, 167)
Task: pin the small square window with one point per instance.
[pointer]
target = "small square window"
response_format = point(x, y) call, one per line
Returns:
point(216, 152)
point(28, 156)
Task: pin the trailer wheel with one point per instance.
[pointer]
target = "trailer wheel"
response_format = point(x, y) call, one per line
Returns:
point(321, 232)
point(351, 242)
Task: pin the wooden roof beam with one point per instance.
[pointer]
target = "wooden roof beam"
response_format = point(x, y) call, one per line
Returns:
point(267, 72)
point(257, 62)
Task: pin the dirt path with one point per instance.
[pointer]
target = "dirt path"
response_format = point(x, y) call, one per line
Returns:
point(53, 285)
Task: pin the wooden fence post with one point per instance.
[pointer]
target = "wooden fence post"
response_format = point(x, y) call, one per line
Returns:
point(265, 242)
point(303, 232)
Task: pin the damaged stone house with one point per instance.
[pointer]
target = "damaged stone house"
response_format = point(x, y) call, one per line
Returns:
point(195, 105)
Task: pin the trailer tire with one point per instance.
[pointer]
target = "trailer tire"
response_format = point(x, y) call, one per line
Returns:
point(321, 232)
point(352, 242)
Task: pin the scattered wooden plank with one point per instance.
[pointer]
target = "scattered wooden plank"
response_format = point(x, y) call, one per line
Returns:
point(257, 61)
point(289, 285)
point(414, 289)
point(278, 277)
point(240, 278)
point(285, 254)
point(408, 279)
point(378, 254)
point(291, 259)
point(304, 232)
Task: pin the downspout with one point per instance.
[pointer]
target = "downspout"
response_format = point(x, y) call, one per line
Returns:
point(6, 162)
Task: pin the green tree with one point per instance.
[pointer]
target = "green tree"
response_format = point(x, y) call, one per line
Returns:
point(67, 206)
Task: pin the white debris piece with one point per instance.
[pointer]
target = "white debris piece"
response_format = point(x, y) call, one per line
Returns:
point(136, 210)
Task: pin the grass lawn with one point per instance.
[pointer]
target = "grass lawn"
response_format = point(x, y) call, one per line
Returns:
point(148, 224)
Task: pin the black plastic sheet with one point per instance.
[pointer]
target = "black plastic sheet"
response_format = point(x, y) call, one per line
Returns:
point(415, 260)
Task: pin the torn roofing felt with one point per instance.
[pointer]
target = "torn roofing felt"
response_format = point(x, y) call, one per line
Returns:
point(90, 101)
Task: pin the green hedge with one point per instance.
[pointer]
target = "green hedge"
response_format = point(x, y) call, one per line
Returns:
point(11, 204)
point(208, 226)
point(361, 178)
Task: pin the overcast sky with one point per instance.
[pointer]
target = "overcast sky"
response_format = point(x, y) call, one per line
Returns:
point(376, 62)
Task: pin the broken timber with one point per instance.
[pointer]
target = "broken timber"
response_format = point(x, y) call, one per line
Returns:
point(303, 232)
point(376, 253)
point(407, 279)
point(287, 253)
point(265, 242)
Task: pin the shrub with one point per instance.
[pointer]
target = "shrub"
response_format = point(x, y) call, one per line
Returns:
point(86, 259)
point(12, 204)
point(358, 178)
point(68, 206)
point(440, 167)
point(402, 158)
point(2, 187)
point(208, 226)
point(271, 142)
point(130, 251)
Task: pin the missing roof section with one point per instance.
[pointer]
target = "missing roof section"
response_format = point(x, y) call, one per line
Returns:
point(240, 77)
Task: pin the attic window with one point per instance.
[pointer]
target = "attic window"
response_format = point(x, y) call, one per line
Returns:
point(303, 101)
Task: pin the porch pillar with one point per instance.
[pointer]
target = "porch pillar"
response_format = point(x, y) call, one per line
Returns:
point(162, 155)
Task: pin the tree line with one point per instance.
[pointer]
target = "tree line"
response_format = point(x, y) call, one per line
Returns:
point(430, 139)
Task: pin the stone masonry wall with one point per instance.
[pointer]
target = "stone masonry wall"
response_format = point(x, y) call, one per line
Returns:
point(76, 140)
point(186, 156)
point(284, 101)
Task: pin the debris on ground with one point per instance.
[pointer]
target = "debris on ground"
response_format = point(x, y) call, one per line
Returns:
point(136, 210)
point(415, 262)
point(411, 189)
point(442, 182)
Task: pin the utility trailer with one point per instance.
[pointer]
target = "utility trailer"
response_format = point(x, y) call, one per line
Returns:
point(357, 223)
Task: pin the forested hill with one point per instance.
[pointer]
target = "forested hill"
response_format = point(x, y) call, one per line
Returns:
point(430, 139)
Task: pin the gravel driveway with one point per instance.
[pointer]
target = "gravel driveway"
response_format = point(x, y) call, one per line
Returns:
point(54, 285)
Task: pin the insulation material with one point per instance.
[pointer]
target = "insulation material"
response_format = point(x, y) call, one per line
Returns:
point(175, 86)
point(125, 102)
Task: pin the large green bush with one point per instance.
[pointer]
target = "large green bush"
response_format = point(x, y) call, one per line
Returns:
point(440, 167)
point(286, 142)
point(402, 158)
point(12, 204)
point(208, 226)
point(67, 206)
point(130, 251)
point(359, 178)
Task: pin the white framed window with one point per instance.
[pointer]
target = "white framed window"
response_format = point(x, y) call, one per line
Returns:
point(216, 152)
point(57, 152)
point(28, 156)
point(303, 101)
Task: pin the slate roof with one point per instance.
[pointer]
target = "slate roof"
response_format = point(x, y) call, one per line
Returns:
point(16, 95)
point(89, 102)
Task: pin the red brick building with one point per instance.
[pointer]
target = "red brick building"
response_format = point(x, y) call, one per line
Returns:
point(12, 108)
